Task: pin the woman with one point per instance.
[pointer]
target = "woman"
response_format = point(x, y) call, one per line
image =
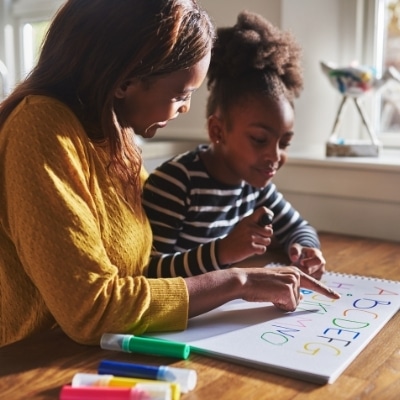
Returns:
point(74, 239)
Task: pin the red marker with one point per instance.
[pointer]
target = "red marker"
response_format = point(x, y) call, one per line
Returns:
point(113, 393)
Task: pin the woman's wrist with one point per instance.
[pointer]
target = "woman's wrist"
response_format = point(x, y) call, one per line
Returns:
point(213, 289)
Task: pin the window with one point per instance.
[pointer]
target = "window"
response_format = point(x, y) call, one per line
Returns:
point(25, 24)
point(32, 37)
point(378, 45)
point(386, 115)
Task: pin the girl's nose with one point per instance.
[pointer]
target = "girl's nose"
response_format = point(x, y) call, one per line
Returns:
point(273, 154)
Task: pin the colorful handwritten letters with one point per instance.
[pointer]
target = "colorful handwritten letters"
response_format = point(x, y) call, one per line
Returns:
point(316, 342)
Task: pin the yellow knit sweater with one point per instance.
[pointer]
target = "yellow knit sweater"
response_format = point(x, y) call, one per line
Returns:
point(72, 251)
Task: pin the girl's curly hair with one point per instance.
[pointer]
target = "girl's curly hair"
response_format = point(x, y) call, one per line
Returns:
point(253, 57)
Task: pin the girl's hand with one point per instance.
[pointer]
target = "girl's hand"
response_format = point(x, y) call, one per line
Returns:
point(247, 239)
point(308, 259)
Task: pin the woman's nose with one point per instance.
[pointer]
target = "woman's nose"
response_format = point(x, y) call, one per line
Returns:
point(184, 108)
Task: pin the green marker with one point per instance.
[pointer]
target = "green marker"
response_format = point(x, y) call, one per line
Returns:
point(144, 345)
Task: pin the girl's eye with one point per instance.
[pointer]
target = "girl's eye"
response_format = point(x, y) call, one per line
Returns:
point(258, 140)
point(284, 145)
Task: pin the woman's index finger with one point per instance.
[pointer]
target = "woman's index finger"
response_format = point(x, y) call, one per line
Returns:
point(308, 282)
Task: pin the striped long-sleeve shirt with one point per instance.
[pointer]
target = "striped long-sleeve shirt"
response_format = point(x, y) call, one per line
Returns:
point(189, 211)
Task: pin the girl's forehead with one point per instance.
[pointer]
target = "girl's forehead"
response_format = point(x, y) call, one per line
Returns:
point(259, 101)
point(262, 111)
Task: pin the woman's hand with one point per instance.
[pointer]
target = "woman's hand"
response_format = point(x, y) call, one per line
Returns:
point(280, 285)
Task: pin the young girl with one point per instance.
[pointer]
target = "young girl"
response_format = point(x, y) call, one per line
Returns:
point(211, 200)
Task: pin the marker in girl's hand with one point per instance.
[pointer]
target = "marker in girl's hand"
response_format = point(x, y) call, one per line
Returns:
point(266, 219)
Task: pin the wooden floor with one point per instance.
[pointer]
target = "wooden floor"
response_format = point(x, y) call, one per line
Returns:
point(38, 367)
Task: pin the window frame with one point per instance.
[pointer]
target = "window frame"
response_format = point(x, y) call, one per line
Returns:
point(375, 14)
point(17, 13)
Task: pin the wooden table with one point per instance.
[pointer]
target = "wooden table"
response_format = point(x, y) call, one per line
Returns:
point(38, 367)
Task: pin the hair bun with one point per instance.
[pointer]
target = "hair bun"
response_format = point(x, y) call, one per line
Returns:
point(255, 44)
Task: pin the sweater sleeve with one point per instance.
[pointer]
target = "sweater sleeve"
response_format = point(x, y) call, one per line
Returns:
point(166, 201)
point(60, 219)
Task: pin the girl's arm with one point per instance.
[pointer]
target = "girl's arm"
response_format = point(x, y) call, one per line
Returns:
point(289, 226)
point(166, 201)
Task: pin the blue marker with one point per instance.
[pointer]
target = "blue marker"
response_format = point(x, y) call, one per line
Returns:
point(187, 378)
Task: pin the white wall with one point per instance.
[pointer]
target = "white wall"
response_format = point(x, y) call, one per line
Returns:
point(318, 26)
point(345, 196)
point(352, 196)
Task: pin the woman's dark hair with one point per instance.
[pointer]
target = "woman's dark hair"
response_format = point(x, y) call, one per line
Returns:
point(92, 46)
point(252, 57)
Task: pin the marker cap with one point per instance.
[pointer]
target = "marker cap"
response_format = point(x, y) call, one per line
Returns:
point(145, 345)
point(266, 219)
point(98, 380)
point(139, 392)
point(111, 341)
point(187, 378)
point(81, 379)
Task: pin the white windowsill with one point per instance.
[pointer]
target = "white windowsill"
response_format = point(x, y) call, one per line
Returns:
point(388, 160)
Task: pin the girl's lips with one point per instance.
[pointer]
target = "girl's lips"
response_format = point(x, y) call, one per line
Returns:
point(268, 173)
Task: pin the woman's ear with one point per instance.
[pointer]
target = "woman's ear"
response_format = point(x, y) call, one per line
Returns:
point(214, 125)
point(120, 93)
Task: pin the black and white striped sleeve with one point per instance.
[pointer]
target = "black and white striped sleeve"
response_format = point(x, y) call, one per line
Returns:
point(166, 201)
point(289, 226)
